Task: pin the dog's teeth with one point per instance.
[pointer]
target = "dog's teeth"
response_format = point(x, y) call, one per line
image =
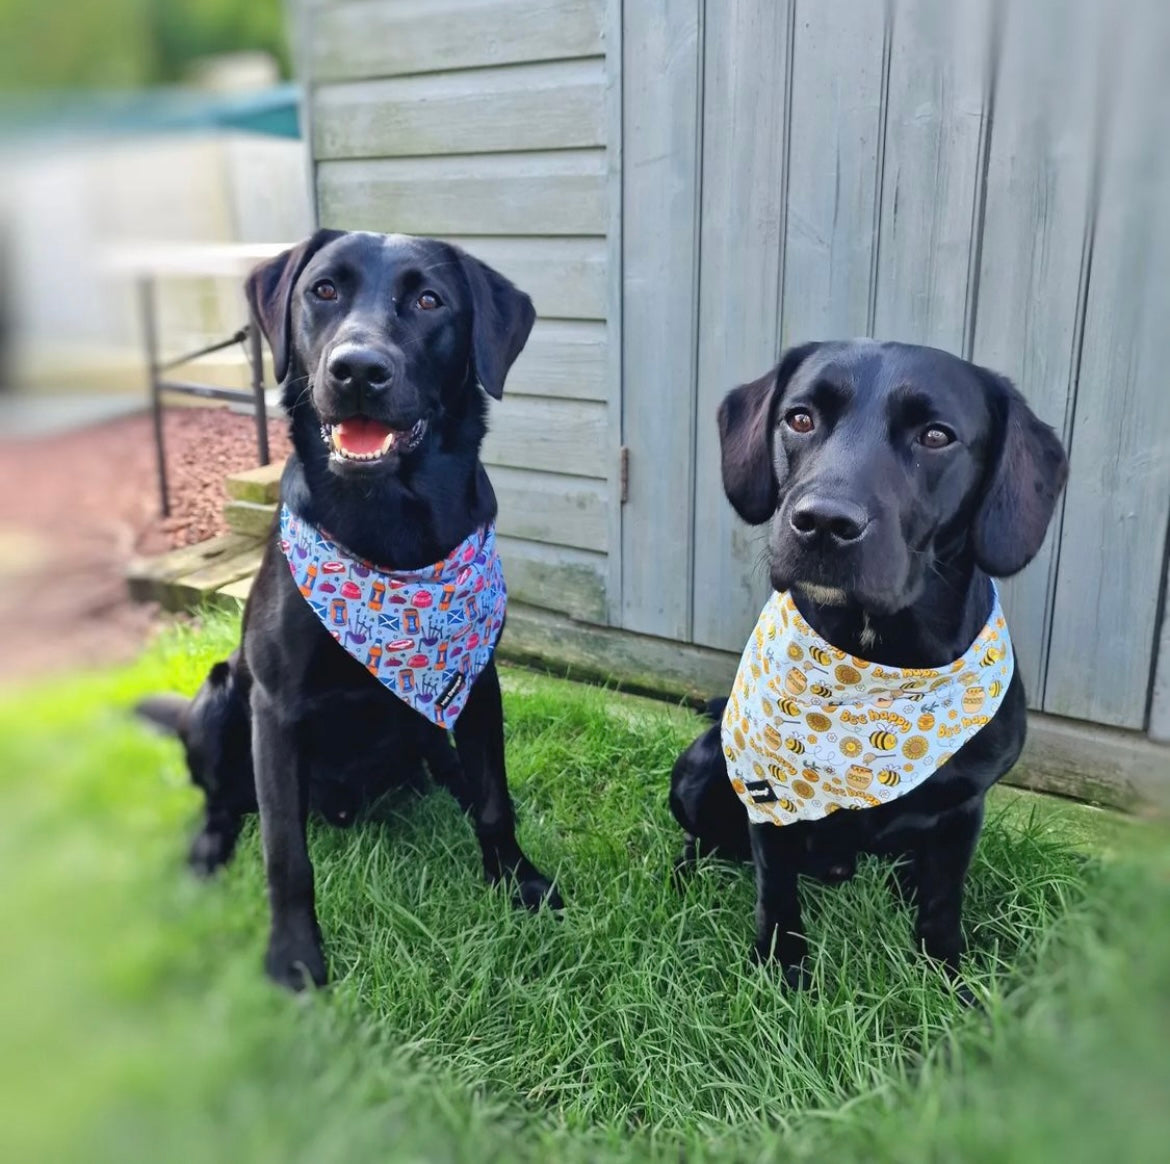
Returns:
point(335, 436)
point(389, 443)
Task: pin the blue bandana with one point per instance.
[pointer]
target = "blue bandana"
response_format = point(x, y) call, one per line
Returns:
point(424, 634)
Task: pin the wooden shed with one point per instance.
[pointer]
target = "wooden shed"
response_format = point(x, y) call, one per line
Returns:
point(686, 187)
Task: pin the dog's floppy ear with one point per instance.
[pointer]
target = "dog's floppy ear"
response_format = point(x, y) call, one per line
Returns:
point(166, 712)
point(1023, 483)
point(745, 439)
point(502, 317)
point(269, 290)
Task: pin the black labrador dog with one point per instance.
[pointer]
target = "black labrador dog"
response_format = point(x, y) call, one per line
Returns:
point(897, 480)
point(385, 347)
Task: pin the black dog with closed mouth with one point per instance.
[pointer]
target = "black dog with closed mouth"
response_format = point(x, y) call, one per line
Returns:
point(898, 480)
point(382, 344)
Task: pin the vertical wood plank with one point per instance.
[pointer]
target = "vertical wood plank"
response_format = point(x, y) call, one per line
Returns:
point(834, 136)
point(613, 302)
point(745, 86)
point(933, 123)
point(661, 100)
point(1109, 579)
point(1035, 232)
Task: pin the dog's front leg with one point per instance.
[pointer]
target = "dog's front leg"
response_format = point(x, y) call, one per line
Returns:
point(942, 859)
point(779, 930)
point(479, 740)
point(294, 944)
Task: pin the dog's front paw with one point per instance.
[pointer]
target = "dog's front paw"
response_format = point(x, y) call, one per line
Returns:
point(537, 892)
point(295, 961)
point(789, 955)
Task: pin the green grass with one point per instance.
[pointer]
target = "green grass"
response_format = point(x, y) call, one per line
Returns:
point(137, 1025)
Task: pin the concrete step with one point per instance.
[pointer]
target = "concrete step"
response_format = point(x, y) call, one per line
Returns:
point(194, 576)
point(249, 518)
point(259, 486)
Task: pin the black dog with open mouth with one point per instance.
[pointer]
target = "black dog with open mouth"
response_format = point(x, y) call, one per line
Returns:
point(898, 481)
point(385, 346)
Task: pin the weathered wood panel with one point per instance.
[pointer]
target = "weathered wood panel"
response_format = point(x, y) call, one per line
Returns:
point(554, 436)
point(571, 582)
point(1035, 231)
point(935, 115)
point(1109, 580)
point(745, 106)
point(552, 193)
point(661, 54)
point(387, 38)
point(566, 277)
point(563, 359)
point(551, 508)
point(1160, 698)
point(834, 144)
point(525, 107)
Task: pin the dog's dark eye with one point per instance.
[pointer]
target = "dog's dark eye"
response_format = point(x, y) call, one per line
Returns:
point(324, 290)
point(800, 420)
point(428, 301)
point(937, 437)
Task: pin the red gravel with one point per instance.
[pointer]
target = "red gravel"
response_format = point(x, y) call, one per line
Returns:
point(74, 510)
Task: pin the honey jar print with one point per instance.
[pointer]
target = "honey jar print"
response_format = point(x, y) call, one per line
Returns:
point(858, 776)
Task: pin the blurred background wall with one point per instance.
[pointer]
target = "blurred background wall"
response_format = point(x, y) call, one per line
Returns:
point(127, 125)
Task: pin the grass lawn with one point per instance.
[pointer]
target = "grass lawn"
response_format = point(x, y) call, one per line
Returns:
point(136, 1023)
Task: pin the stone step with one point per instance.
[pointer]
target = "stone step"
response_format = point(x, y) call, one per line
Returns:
point(259, 486)
point(249, 518)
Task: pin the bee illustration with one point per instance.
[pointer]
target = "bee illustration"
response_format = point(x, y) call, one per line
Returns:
point(778, 773)
point(990, 657)
point(821, 690)
point(820, 655)
point(911, 693)
point(889, 777)
point(883, 741)
point(789, 707)
point(794, 745)
point(994, 688)
point(785, 804)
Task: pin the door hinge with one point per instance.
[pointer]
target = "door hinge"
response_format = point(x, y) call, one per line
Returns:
point(624, 473)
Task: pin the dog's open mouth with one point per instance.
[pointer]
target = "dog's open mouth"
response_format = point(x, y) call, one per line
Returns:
point(364, 440)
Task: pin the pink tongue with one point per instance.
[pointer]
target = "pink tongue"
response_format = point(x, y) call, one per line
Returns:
point(361, 435)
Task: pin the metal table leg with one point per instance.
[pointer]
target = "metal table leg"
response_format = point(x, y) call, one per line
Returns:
point(256, 359)
point(150, 339)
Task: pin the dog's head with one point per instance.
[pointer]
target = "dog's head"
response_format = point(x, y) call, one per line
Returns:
point(874, 462)
point(379, 335)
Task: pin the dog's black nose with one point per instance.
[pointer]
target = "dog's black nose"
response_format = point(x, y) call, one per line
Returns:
point(351, 366)
point(823, 517)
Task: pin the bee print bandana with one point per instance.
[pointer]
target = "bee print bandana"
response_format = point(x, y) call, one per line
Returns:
point(424, 634)
point(809, 729)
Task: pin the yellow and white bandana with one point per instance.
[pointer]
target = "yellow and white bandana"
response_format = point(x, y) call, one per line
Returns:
point(809, 729)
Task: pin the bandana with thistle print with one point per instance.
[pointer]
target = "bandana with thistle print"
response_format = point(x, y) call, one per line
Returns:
point(424, 634)
point(809, 729)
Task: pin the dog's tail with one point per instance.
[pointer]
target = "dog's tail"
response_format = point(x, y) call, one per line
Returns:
point(165, 712)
